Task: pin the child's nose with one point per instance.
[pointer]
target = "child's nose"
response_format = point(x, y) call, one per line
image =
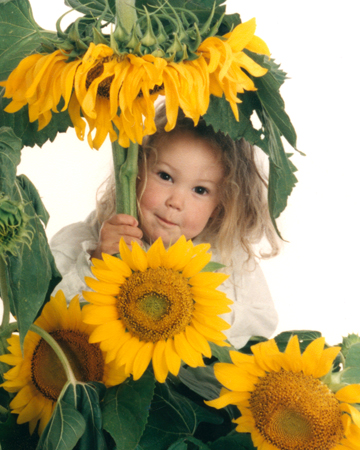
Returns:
point(176, 200)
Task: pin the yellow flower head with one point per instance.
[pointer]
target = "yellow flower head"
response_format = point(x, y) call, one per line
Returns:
point(156, 306)
point(109, 90)
point(282, 401)
point(38, 376)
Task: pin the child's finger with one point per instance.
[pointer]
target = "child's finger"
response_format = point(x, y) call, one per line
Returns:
point(126, 230)
point(123, 219)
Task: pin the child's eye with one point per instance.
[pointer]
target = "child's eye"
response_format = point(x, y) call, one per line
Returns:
point(164, 176)
point(201, 190)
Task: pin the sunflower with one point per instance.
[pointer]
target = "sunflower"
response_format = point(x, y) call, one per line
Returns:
point(156, 306)
point(110, 90)
point(283, 402)
point(38, 376)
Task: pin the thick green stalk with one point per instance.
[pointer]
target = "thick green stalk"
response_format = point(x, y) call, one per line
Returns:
point(126, 170)
point(4, 294)
point(126, 14)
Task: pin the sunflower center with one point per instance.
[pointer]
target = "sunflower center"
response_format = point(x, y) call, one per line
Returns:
point(296, 411)
point(47, 372)
point(103, 89)
point(156, 304)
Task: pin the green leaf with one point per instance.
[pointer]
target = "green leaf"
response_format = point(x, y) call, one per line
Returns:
point(221, 353)
point(93, 7)
point(86, 399)
point(221, 117)
point(10, 154)
point(126, 409)
point(212, 266)
point(77, 419)
point(31, 274)
point(16, 437)
point(19, 35)
point(172, 417)
point(281, 175)
point(348, 341)
point(64, 429)
point(201, 380)
point(181, 444)
point(268, 93)
point(351, 373)
point(238, 441)
point(32, 193)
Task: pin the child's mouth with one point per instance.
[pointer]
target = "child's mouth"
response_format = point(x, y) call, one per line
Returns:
point(166, 222)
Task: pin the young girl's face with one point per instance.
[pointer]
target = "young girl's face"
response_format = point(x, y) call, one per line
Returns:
point(182, 189)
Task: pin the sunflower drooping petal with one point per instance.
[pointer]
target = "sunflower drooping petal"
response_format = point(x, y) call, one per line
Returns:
point(107, 90)
point(37, 377)
point(282, 400)
point(155, 308)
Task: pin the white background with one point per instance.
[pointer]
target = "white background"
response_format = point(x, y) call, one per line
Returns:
point(314, 281)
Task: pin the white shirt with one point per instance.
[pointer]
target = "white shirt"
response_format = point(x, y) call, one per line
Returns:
point(252, 313)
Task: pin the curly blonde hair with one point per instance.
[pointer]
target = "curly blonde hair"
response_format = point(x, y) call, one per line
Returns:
point(242, 216)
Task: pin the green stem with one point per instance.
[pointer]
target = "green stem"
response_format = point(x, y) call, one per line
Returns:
point(9, 330)
point(58, 350)
point(4, 294)
point(126, 170)
point(126, 13)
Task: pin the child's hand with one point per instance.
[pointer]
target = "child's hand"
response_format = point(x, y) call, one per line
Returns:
point(115, 228)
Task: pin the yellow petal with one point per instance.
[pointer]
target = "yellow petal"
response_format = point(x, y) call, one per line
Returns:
point(142, 360)
point(102, 287)
point(186, 352)
point(355, 414)
point(96, 315)
point(117, 265)
point(173, 360)
point(197, 341)
point(156, 254)
point(32, 409)
point(349, 394)
point(266, 355)
point(159, 362)
point(208, 279)
point(228, 398)
point(109, 276)
point(210, 334)
point(233, 378)
point(212, 309)
point(139, 257)
point(114, 329)
point(22, 398)
point(241, 35)
point(257, 45)
point(126, 255)
point(312, 355)
point(99, 299)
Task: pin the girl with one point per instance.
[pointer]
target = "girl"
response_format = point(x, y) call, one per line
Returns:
point(194, 182)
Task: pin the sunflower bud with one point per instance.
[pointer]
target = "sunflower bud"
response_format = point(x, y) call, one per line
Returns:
point(13, 225)
point(206, 27)
point(149, 38)
point(175, 46)
point(162, 35)
point(134, 42)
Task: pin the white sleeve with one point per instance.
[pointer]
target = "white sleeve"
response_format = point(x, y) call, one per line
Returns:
point(253, 312)
point(71, 247)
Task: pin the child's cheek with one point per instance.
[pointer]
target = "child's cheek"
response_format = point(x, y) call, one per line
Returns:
point(151, 197)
